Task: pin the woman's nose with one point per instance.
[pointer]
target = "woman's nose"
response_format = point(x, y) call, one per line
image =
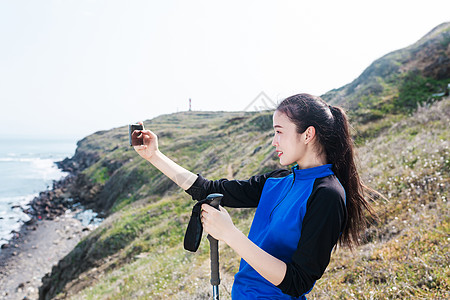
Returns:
point(274, 141)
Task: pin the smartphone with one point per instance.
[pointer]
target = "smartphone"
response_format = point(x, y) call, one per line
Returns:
point(133, 132)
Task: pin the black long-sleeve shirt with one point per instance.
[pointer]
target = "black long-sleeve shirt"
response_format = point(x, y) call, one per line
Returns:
point(300, 216)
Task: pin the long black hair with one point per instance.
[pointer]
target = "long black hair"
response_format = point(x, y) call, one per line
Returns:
point(333, 134)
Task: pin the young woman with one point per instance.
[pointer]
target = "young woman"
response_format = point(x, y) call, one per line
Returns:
point(301, 214)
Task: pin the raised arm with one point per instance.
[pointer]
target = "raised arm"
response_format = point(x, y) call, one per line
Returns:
point(150, 152)
point(237, 193)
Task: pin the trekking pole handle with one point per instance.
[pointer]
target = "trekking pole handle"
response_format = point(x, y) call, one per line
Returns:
point(214, 200)
point(214, 244)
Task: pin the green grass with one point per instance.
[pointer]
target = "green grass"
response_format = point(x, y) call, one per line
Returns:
point(137, 252)
point(416, 89)
point(408, 253)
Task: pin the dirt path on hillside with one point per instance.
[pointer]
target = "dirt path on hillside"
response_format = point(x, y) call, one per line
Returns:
point(230, 172)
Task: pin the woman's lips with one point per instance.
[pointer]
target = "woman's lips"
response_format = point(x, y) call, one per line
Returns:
point(279, 153)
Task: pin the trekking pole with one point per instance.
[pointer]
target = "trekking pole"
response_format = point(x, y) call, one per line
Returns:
point(214, 249)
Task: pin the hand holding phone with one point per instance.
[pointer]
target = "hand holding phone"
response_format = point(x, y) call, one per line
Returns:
point(134, 130)
point(144, 141)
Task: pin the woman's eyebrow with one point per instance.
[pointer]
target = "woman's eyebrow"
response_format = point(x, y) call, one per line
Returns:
point(277, 126)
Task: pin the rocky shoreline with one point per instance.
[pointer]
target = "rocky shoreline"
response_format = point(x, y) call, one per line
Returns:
point(46, 206)
point(33, 252)
point(50, 234)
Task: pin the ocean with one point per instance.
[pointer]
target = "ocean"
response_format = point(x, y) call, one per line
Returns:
point(27, 167)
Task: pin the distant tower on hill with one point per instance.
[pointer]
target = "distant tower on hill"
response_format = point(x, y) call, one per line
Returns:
point(190, 104)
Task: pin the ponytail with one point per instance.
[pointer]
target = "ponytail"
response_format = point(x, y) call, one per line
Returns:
point(341, 154)
point(333, 133)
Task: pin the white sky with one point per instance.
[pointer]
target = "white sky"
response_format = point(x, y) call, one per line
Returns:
point(70, 68)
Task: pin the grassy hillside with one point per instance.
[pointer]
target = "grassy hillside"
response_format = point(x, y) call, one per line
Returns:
point(148, 214)
point(398, 82)
point(407, 256)
point(137, 252)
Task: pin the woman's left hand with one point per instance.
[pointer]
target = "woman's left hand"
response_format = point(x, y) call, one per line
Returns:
point(217, 223)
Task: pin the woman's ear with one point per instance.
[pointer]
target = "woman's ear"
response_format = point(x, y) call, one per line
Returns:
point(310, 134)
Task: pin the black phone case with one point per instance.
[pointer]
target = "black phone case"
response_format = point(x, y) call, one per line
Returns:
point(131, 129)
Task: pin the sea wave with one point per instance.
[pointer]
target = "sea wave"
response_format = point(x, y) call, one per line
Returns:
point(12, 216)
point(17, 200)
point(29, 159)
point(16, 159)
point(36, 167)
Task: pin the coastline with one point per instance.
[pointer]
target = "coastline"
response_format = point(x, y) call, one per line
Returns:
point(33, 251)
point(26, 169)
point(54, 229)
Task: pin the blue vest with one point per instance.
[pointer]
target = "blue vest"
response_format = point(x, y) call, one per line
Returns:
point(276, 229)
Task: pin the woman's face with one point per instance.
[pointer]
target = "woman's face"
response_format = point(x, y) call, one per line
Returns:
point(289, 144)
